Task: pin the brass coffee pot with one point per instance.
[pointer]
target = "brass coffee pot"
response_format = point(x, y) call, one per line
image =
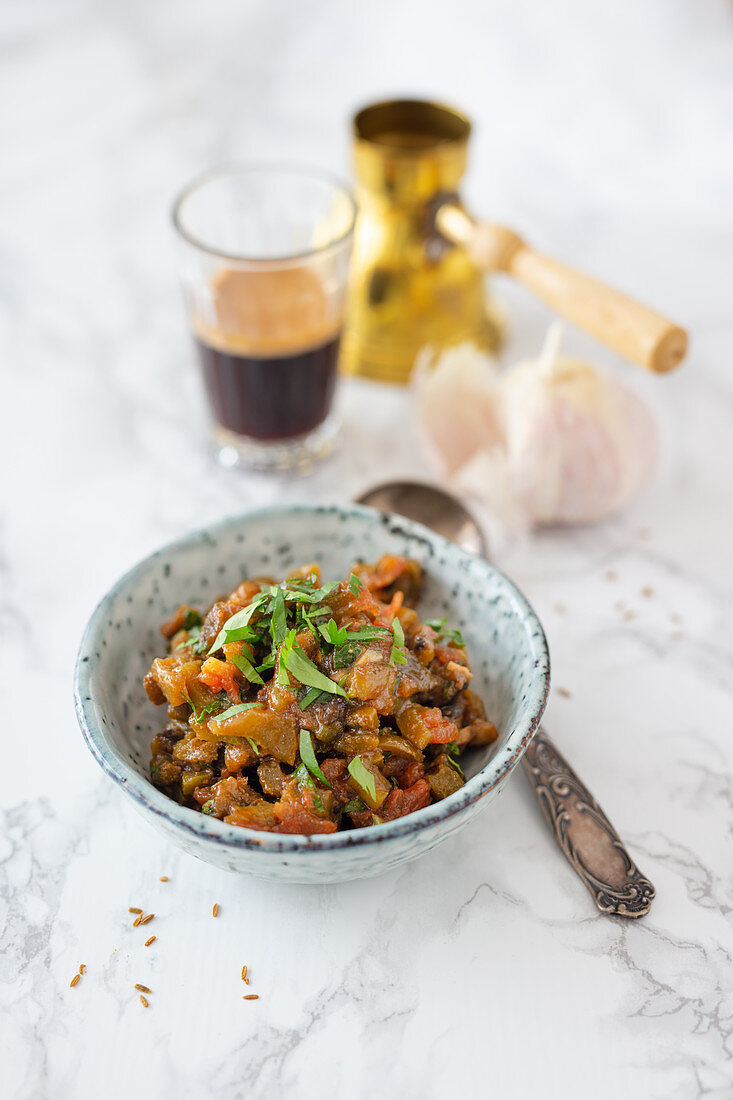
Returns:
point(419, 259)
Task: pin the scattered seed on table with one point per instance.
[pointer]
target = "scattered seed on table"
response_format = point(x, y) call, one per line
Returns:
point(144, 1002)
point(142, 988)
point(564, 692)
point(163, 878)
point(74, 980)
point(82, 967)
point(133, 909)
point(629, 615)
point(560, 608)
point(251, 997)
point(215, 910)
point(647, 590)
point(244, 973)
point(611, 574)
point(148, 918)
point(137, 920)
point(151, 940)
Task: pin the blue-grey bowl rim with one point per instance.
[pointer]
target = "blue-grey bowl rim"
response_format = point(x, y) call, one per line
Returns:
point(154, 801)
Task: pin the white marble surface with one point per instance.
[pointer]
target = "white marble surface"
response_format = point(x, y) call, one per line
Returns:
point(604, 133)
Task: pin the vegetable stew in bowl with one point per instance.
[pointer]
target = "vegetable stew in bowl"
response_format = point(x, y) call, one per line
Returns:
point(302, 707)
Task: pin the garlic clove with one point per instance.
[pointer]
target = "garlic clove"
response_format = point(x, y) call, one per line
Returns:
point(551, 440)
point(457, 403)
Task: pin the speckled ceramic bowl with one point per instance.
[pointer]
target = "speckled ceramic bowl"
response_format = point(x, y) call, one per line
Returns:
point(506, 646)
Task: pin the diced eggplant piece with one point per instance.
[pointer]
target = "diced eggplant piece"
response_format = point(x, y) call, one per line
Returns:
point(260, 816)
point(190, 780)
point(373, 788)
point(399, 746)
point(271, 777)
point(365, 718)
point(443, 777)
point(356, 741)
point(273, 734)
point(194, 750)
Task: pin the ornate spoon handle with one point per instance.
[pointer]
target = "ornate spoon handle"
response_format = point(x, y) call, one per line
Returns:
point(588, 839)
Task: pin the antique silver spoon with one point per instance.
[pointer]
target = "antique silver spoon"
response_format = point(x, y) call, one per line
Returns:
point(586, 836)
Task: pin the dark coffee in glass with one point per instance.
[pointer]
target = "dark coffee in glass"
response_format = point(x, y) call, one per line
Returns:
point(265, 263)
point(269, 365)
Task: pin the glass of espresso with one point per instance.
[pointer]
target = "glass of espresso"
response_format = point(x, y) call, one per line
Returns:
point(264, 263)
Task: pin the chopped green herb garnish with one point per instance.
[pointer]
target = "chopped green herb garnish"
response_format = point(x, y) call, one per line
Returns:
point(191, 641)
point(192, 619)
point(238, 709)
point(443, 631)
point(304, 779)
point(363, 777)
point(345, 655)
point(308, 756)
point(336, 635)
point(202, 712)
point(456, 766)
point(355, 585)
point(310, 697)
point(241, 619)
point(355, 806)
point(282, 662)
point(208, 807)
point(397, 656)
point(254, 746)
point(306, 594)
point(247, 668)
point(279, 623)
point(306, 672)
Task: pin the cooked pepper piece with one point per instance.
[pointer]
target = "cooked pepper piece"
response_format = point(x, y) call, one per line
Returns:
point(426, 726)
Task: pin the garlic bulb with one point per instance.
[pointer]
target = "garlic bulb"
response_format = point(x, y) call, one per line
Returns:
point(551, 440)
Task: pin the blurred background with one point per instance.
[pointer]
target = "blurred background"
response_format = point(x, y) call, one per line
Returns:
point(602, 134)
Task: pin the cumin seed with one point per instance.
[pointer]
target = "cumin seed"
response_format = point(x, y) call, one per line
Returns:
point(151, 940)
point(74, 980)
point(142, 988)
point(144, 1001)
point(148, 918)
point(215, 910)
point(251, 997)
point(132, 909)
point(82, 967)
point(163, 878)
point(244, 973)
point(137, 920)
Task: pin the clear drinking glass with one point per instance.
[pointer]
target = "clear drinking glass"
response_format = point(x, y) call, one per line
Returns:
point(264, 262)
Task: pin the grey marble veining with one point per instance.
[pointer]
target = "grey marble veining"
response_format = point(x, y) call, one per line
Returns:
point(604, 134)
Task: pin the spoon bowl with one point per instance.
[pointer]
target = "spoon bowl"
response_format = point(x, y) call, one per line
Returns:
point(431, 506)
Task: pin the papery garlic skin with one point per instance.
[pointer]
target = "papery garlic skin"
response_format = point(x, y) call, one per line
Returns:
point(548, 441)
point(457, 404)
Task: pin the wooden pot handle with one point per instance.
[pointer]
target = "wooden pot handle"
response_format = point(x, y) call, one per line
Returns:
point(631, 329)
